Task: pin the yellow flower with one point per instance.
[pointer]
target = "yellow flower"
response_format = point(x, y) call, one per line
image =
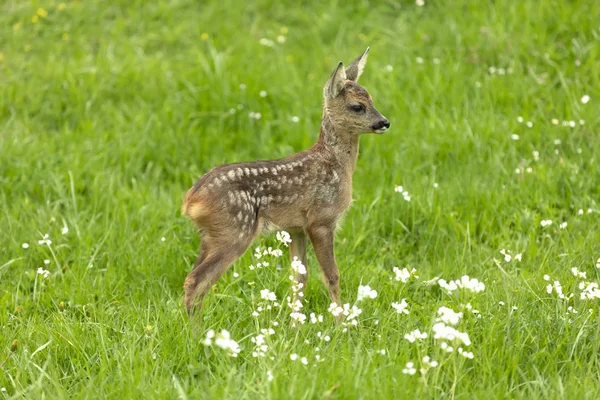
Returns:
point(65, 36)
point(283, 30)
point(42, 13)
point(27, 47)
point(16, 27)
point(61, 6)
point(148, 330)
point(35, 19)
point(204, 36)
point(14, 345)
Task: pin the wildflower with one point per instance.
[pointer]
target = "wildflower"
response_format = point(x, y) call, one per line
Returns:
point(546, 277)
point(283, 30)
point(314, 319)
point(519, 119)
point(284, 237)
point(46, 262)
point(581, 122)
point(280, 39)
point(210, 334)
point(589, 290)
point(466, 354)
point(162, 239)
point(269, 376)
point(405, 194)
point(465, 282)
point(61, 6)
point(263, 93)
point(420, 3)
point(25, 245)
point(365, 291)
point(563, 225)
point(44, 272)
point(556, 286)
point(224, 341)
point(501, 303)
point(545, 222)
point(584, 99)
point(446, 347)
point(514, 137)
point(427, 363)
point(304, 360)
point(578, 273)
point(404, 274)
point(389, 68)
point(45, 240)
point(242, 87)
point(42, 13)
point(409, 369)
point(420, 59)
point(441, 331)
point(382, 352)
point(598, 263)
point(448, 316)
point(293, 356)
point(298, 267)
point(295, 119)
point(402, 307)
point(554, 121)
point(529, 124)
point(266, 294)
point(415, 335)
point(266, 42)
point(298, 317)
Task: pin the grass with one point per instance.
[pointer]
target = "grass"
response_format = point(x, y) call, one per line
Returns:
point(110, 110)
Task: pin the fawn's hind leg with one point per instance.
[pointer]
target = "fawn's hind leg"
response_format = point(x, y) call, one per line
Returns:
point(215, 258)
point(322, 240)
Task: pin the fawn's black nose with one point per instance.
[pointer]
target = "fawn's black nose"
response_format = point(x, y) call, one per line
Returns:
point(381, 126)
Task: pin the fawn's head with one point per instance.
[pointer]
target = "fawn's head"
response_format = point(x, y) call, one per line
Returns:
point(348, 105)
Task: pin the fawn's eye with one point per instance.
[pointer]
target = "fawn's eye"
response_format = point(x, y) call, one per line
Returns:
point(357, 108)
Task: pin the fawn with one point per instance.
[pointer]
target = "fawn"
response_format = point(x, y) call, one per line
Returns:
point(304, 194)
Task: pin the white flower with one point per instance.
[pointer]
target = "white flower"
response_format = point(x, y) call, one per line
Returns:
point(284, 237)
point(557, 288)
point(389, 68)
point(420, 3)
point(304, 360)
point(266, 42)
point(519, 119)
point(298, 267)
point(402, 307)
point(514, 136)
point(314, 319)
point(546, 277)
point(65, 229)
point(263, 93)
point(448, 316)
point(529, 124)
point(44, 272)
point(584, 99)
point(427, 363)
point(280, 39)
point(45, 240)
point(410, 369)
point(266, 294)
point(464, 282)
point(269, 376)
point(25, 245)
point(293, 356)
point(501, 303)
point(598, 263)
point(589, 290)
point(210, 334)
point(404, 274)
point(415, 335)
point(366, 292)
point(299, 317)
point(546, 222)
point(295, 119)
point(442, 331)
point(466, 354)
point(243, 87)
point(578, 273)
point(420, 59)
point(224, 341)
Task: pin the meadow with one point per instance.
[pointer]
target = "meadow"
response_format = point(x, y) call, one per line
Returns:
point(469, 260)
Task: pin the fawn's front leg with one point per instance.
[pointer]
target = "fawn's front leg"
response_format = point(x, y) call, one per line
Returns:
point(322, 240)
point(298, 249)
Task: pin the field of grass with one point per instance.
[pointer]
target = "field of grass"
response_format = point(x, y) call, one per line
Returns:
point(109, 111)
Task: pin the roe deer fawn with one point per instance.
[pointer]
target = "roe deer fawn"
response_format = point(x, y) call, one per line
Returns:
point(305, 193)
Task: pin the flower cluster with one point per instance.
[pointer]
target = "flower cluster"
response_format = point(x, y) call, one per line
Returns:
point(365, 292)
point(222, 340)
point(400, 189)
point(464, 282)
point(350, 313)
point(404, 274)
point(402, 307)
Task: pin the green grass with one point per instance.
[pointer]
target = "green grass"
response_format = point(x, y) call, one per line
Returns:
point(110, 110)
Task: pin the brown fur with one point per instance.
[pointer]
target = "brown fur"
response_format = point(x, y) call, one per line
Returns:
point(305, 193)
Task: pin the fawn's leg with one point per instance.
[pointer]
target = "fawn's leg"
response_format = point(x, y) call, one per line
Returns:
point(298, 249)
point(215, 258)
point(322, 240)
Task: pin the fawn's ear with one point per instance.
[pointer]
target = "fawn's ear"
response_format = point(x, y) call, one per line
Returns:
point(336, 83)
point(355, 69)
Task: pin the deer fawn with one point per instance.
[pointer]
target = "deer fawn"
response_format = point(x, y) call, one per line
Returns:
point(304, 194)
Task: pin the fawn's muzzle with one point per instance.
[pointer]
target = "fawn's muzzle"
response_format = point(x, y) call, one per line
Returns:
point(381, 126)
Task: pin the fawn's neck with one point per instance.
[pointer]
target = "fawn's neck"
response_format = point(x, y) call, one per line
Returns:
point(341, 145)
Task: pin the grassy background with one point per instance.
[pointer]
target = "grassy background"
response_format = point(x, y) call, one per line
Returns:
point(110, 110)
